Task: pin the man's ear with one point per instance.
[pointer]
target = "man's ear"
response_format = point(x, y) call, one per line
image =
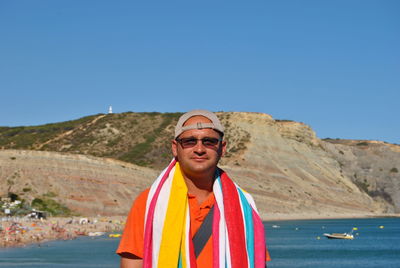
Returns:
point(223, 148)
point(174, 148)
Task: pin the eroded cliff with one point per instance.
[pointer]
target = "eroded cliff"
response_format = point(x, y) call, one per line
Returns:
point(282, 164)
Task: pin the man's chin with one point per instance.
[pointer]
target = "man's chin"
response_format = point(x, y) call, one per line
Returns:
point(200, 167)
point(203, 169)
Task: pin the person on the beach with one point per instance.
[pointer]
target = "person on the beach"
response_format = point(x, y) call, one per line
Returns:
point(193, 215)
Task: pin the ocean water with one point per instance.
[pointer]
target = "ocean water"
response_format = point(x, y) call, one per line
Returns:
point(301, 243)
point(292, 244)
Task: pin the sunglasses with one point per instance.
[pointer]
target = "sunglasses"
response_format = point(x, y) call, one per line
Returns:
point(191, 142)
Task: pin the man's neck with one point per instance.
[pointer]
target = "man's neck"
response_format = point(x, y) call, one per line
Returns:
point(201, 187)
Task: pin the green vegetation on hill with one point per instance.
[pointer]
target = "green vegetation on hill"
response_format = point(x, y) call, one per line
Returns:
point(18, 206)
point(27, 137)
point(50, 205)
point(138, 153)
point(140, 138)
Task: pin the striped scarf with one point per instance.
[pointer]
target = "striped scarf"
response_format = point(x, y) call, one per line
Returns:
point(237, 230)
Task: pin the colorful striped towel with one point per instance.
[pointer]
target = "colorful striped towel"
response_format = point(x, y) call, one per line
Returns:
point(237, 232)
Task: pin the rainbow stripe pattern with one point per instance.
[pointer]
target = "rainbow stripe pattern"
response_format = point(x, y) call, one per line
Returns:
point(237, 230)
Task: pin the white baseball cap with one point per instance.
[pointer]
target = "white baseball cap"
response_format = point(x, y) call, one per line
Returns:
point(215, 123)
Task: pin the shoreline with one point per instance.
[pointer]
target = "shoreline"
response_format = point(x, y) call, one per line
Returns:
point(21, 232)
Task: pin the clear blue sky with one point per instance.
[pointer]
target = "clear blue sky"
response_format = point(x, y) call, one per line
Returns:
point(334, 65)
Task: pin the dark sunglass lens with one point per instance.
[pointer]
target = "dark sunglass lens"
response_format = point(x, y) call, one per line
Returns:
point(191, 142)
point(188, 142)
point(210, 141)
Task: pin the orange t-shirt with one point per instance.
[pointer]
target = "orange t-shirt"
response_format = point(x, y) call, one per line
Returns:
point(133, 237)
point(132, 240)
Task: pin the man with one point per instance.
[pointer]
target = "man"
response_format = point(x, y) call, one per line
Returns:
point(194, 215)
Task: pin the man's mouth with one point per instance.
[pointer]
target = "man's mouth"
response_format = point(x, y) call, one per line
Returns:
point(199, 159)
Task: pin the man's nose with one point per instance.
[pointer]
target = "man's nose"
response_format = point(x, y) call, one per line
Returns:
point(199, 148)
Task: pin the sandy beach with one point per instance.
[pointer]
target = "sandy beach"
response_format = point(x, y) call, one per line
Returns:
point(15, 232)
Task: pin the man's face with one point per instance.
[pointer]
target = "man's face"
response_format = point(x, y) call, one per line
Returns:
point(198, 159)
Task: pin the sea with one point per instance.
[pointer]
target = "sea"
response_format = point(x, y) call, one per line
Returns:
point(299, 243)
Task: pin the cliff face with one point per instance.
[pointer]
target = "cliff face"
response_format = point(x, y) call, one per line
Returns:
point(281, 163)
point(86, 185)
point(373, 166)
point(289, 171)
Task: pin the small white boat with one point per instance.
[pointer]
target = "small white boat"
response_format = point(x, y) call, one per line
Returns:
point(348, 235)
point(96, 233)
point(339, 236)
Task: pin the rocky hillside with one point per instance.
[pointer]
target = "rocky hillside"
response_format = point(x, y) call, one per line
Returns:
point(282, 163)
point(372, 165)
point(86, 185)
point(139, 138)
